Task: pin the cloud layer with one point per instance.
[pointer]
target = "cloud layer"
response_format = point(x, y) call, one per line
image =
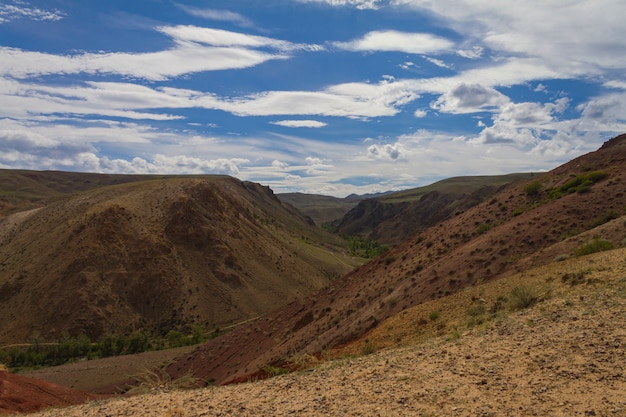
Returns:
point(392, 94)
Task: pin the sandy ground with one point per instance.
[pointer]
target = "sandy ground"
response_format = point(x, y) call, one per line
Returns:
point(562, 357)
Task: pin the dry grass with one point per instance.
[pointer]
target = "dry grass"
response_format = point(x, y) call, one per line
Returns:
point(157, 380)
point(478, 306)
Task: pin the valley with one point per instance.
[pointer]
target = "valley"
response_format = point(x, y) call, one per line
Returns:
point(430, 314)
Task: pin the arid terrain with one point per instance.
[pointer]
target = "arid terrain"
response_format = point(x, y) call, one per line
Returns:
point(563, 356)
point(500, 307)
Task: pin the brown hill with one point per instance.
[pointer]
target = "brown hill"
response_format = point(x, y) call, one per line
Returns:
point(157, 255)
point(525, 225)
point(24, 189)
point(394, 217)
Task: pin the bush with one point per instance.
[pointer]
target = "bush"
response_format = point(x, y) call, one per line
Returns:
point(597, 245)
point(533, 189)
point(582, 183)
point(522, 297)
point(434, 315)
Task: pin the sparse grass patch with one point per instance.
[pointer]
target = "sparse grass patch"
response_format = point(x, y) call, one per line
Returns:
point(368, 348)
point(573, 278)
point(596, 245)
point(522, 297)
point(273, 371)
point(158, 380)
point(434, 315)
point(561, 257)
point(304, 361)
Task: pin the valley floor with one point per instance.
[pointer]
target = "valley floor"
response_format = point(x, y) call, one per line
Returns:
point(565, 356)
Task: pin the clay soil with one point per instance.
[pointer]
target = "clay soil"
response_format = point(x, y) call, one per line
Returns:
point(563, 356)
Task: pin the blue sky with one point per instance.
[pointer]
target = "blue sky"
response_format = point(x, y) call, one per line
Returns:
point(318, 96)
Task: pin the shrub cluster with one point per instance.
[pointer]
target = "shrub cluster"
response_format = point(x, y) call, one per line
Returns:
point(596, 245)
point(582, 183)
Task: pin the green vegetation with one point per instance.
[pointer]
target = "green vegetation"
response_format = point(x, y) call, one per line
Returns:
point(365, 248)
point(483, 228)
point(533, 189)
point(41, 354)
point(582, 183)
point(273, 371)
point(434, 315)
point(596, 245)
point(522, 297)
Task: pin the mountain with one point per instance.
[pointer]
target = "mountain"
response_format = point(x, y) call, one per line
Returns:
point(157, 255)
point(392, 218)
point(526, 225)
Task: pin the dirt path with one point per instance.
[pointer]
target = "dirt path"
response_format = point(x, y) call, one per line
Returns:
point(563, 357)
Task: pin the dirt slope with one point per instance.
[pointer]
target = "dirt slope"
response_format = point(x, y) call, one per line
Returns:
point(508, 233)
point(19, 394)
point(156, 256)
point(564, 356)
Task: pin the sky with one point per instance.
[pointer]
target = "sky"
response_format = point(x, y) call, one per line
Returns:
point(317, 96)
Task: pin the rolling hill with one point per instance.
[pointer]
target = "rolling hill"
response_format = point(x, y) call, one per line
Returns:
point(156, 255)
point(392, 218)
point(552, 216)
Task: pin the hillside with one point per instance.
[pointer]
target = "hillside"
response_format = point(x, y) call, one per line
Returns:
point(392, 218)
point(520, 227)
point(562, 355)
point(22, 190)
point(155, 256)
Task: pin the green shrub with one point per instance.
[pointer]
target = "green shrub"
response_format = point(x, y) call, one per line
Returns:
point(582, 183)
point(434, 315)
point(534, 188)
point(522, 297)
point(477, 310)
point(596, 245)
point(272, 371)
point(483, 228)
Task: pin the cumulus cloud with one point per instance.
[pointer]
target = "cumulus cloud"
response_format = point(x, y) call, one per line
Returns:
point(604, 109)
point(31, 150)
point(391, 40)
point(300, 123)
point(387, 152)
point(470, 98)
point(524, 125)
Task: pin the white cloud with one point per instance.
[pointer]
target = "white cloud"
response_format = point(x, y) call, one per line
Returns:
point(474, 52)
point(359, 4)
point(195, 50)
point(437, 62)
point(300, 123)
point(22, 10)
point(470, 98)
point(582, 37)
point(388, 151)
point(219, 15)
point(391, 40)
